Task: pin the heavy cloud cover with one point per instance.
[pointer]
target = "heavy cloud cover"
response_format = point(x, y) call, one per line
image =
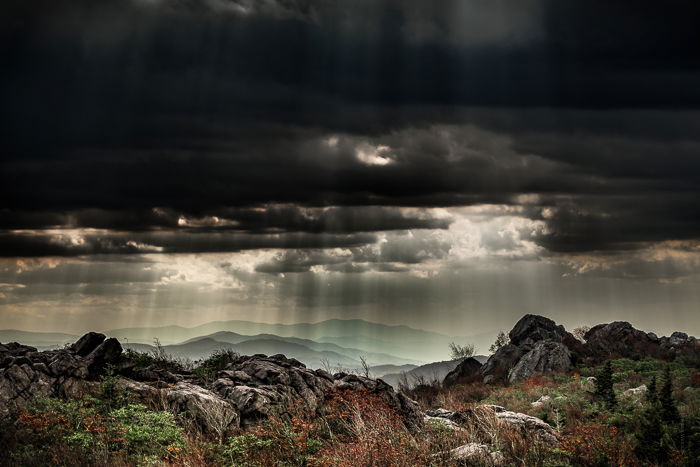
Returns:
point(174, 126)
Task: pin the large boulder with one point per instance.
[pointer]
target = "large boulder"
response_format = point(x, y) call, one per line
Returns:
point(466, 372)
point(537, 345)
point(533, 328)
point(547, 356)
point(207, 409)
point(107, 353)
point(87, 343)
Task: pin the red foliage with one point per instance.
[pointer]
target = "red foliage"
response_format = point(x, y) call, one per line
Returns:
point(597, 444)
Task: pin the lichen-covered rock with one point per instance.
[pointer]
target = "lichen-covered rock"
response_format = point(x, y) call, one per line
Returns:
point(528, 425)
point(476, 454)
point(547, 356)
point(635, 391)
point(205, 407)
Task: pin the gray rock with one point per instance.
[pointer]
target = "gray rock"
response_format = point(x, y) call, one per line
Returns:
point(533, 328)
point(529, 426)
point(260, 387)
point(207, 409)
point(635, 391)
point(547, 356)
point(477, 454)
point(500, 363)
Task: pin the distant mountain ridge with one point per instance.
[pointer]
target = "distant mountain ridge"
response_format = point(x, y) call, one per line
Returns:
point(372, 358)
point(379, 344)
point(397, 340)
point(198, 349)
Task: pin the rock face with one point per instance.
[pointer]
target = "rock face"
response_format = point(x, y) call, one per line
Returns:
point(546, 356)
point(466, 372)
point(620, 339)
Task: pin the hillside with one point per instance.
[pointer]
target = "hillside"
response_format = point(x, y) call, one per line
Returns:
point(620, 396)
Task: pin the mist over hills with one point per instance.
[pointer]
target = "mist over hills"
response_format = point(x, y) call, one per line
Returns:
point(400, 341)
point(334, 344)
point(371, 357)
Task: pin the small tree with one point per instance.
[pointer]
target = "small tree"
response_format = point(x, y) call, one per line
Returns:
point(652, 441)
point(669, 411)
point(501, 340)
point(652, 395)
point(604, 385)
point(366, 370)
point(461, 351)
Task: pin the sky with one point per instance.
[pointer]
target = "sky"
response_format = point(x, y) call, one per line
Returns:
point(449, 165)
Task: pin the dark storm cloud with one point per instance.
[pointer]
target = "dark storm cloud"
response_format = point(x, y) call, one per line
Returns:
point(63, 244)
point(392, 255)
point(218, 109)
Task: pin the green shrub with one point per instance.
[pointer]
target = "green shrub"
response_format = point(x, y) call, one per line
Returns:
point(80, 432)
point(148, 433)
point(216, 362)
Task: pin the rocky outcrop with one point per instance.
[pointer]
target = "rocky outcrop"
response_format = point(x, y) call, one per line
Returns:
point(466, 372)
point(261, 386)
point(533, 328)
point(27, 375)
point(539, 346)
point(249, 390)
point(620, 339)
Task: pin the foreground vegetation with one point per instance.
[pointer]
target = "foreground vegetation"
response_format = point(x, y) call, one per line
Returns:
point(600, 423)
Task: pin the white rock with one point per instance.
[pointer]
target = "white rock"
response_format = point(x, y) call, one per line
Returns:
point(541, 401)
point(634, 391)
